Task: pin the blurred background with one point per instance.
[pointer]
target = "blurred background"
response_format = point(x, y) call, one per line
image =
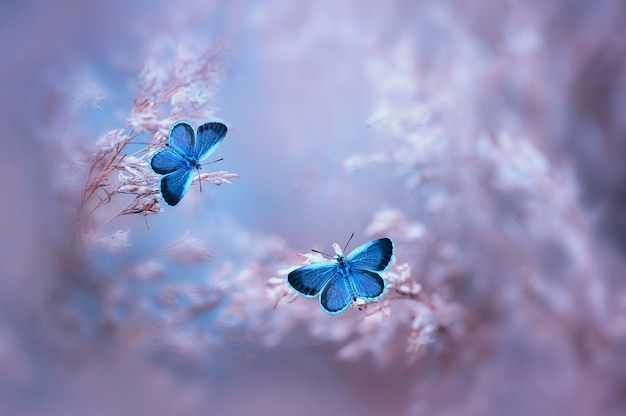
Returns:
point(485, 138)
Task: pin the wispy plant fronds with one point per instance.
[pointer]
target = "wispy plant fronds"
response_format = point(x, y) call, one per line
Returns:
point(168, 92)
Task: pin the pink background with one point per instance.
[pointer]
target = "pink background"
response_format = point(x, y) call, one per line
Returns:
point(486, 138)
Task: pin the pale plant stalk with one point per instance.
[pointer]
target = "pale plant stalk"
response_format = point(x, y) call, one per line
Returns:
point(166, 95)
point(120, 182)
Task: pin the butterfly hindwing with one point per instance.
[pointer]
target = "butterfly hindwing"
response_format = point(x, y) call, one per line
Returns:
point(175, 184)
point(167, 161)
point(208, 136)
point(336, 295)
point(367, 284)
point(182, 138)
point(375, 255)
point(309, 280)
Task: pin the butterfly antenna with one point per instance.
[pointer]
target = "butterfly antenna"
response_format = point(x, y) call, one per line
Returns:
point(349, 239)
point(207, 163)
point(322, 253)
point(213, 161)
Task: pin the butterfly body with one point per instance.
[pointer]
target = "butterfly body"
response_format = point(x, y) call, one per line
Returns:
point(344, 279)
point(182, 156)
point(191, 162)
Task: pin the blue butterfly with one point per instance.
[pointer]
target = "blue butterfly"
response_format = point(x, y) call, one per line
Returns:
point(185, 149)
point(341, 281)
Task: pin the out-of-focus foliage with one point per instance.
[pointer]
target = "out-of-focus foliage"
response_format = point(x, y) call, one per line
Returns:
point(485, 138)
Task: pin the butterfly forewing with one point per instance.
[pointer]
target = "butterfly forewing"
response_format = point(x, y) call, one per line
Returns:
point(182, 138)
point(375, 255)
point(167, 161)
point(336, 295)
point(208, 136)
point(175, 184)
point(310, 280)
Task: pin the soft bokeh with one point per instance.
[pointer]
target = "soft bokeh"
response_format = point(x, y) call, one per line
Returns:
point(485, 138)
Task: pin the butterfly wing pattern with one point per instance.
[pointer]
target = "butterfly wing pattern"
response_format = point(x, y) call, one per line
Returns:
point(184, 151)
point(208, 136)
point(182, 138)
point(340, 282)
point(366, 262)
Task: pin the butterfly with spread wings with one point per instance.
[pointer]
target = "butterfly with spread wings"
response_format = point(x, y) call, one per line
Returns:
point(345, 279)
point(182, 156)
